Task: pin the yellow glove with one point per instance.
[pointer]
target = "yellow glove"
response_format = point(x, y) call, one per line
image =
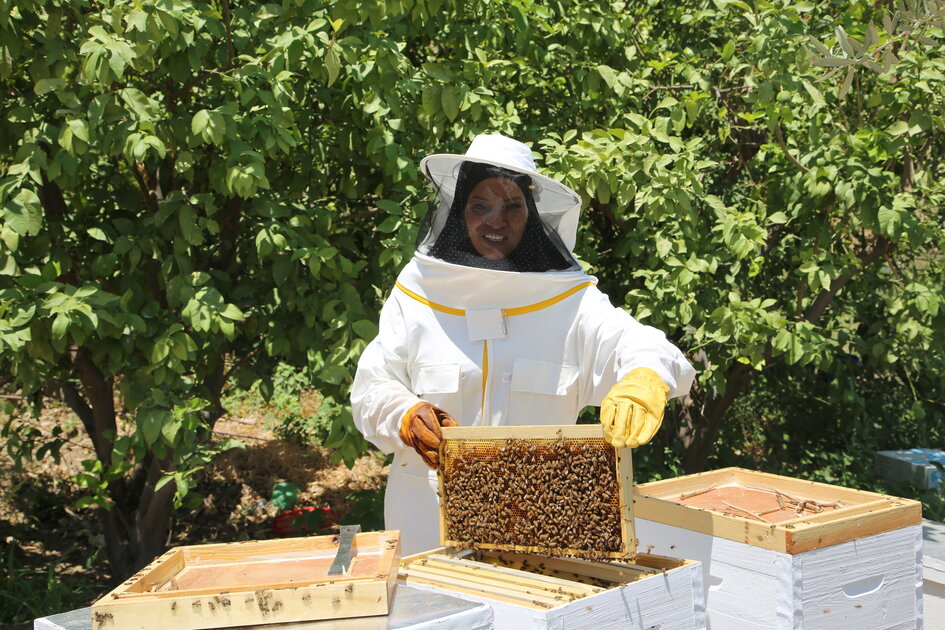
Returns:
point(633, 409)
point(420, 430)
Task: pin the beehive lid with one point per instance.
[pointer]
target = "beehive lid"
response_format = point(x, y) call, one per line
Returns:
point(771, 511)
point(254, 582)
point(551, 490)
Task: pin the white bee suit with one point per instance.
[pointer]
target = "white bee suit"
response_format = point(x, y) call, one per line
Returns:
point(491, 348)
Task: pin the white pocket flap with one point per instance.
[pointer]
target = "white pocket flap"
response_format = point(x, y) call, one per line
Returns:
point(485, 323)
point(539, 377)
point(440, 378)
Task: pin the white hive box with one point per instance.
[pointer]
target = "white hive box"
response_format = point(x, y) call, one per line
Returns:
point(848, 560)
point(528, 592)
point(933, 573)
point(918, 466)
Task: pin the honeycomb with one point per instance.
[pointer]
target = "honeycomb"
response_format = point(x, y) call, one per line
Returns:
point(558, 496)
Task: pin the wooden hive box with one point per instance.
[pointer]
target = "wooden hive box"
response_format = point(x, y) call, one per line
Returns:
point(254, 582)
point(535, 593)
point(782, 553)
point(555, 490)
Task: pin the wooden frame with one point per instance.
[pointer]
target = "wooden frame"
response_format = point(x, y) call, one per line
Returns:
point(254, 582)
point(526, 591)
point(856, 513)
point(548, 433)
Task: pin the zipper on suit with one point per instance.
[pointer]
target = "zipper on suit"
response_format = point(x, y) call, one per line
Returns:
point(485, 378)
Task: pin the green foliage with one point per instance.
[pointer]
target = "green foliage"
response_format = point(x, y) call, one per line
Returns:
point(193, 193)
point(367, 509)
point(284, 495)
point(27, 593)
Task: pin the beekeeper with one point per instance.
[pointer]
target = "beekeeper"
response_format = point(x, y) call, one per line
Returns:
point(493, 323)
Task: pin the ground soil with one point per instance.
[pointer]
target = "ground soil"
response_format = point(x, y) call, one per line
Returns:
point(40, 530)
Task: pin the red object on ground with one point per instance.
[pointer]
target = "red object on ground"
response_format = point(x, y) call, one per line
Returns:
point(294, 521)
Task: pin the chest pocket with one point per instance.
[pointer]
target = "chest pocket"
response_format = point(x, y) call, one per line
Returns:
point(440, 384)
point(542, 393)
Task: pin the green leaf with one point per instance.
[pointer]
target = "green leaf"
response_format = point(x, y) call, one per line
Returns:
point(888, 221)
point(332, 65)
point(451, 102)
point(23, 213)
point(284, 495)
point(365, 329)
point(897, 128)
point(439, 71)
point(199, 122)
point(518, 14)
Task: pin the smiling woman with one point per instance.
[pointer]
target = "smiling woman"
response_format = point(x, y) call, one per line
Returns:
point(495, 217)
point(494, 323)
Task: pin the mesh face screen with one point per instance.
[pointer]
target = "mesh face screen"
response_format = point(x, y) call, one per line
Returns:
point(560, 495)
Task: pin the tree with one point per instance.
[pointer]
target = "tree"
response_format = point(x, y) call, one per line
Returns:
point(193, 192)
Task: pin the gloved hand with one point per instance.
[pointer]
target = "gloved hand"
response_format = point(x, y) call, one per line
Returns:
point(420, 430)
point(633, 409)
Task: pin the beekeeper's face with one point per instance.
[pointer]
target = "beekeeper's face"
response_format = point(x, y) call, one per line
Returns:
point(495, 217)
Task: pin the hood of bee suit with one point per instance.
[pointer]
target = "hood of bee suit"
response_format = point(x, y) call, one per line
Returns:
point(426, 278)
point(554, 208)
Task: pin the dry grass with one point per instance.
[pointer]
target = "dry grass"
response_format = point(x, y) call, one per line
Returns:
point(38, 525)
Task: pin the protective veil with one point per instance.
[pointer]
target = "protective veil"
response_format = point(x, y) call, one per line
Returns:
point(491, 345)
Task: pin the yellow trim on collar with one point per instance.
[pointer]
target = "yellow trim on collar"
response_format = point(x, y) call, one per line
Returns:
point(431, 303)
point(508, 312)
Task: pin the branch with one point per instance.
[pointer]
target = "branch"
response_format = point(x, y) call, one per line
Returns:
point(608, 211)
point(229, 230)
point(780, 137)
point(877, 249)
point(97, 409)
point(150, 195)
point(229, 33)
point(684, 86)
point(203, 76)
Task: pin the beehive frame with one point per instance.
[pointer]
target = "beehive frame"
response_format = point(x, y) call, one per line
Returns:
point(254, 582)
point(490, 442)
point(539, 592)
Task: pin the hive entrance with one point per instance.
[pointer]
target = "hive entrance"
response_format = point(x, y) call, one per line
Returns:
point(555, 495)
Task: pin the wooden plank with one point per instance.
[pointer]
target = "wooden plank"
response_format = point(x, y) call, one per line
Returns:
point(225, 610)
point(229, 552)
point(540, 550)
point(836, 514)
point(504, 575)
point(807, 537)
point(567, 567)
point(159, 572)
point(525, 432)
point(505, 583)
point(265, 601)
point(736, 528)
point(538, 577)
point(676, 486)
point(806, 489)
point(451, 582)
point(625, 487)
point(877, 512)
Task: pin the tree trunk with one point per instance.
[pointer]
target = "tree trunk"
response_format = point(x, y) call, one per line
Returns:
point(136, 523)
point(699, 427)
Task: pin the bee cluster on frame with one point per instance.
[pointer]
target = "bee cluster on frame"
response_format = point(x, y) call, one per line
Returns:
point(557, 494)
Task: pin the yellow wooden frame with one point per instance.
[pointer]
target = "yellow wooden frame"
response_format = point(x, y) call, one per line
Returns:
point(863, 513)
point(511, 577)
point(149, 599)
point(624, 462)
